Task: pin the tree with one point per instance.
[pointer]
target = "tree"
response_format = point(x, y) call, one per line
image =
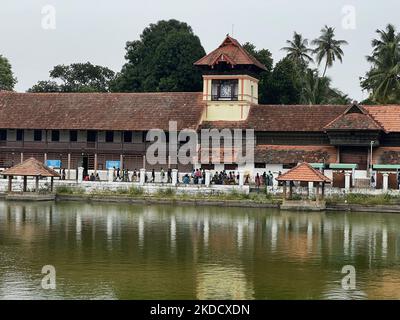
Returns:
point(77, 77)
point(298, 51)
point(317, 90)
point(265, 57)
point(383, 79)
point(284, 86)
point(7, 79)
point(162, 60)
point(328, 48)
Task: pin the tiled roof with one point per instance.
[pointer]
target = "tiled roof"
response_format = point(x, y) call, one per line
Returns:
point(387, 116)
point(232, 52)
point(100, 111)
point(303, 172)
point(274, 154)
point(354, 117)
point(30, 167)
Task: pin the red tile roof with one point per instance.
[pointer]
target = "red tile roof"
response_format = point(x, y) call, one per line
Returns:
point(293, 154)
point(303, 172)
point(354, 117)
point(30, 167)
point(232, 52)
point(100, 111)
point(387, 116)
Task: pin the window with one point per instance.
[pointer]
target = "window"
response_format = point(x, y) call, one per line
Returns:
point(20, 135)
point(91, 136)
point(128, 136)
point(3, 134)
point(73, 135)
point(230, 166)
point(259, 165)
point(289, 165)
point(207, 166)
point(224, 90)
point(109, 136)
point(55, 135)
point(37, 135)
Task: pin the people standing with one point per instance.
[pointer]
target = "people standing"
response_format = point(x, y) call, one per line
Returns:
point(153, 176)
point(258, 182)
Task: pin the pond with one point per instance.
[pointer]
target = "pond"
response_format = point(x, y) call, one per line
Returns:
point(121, 251)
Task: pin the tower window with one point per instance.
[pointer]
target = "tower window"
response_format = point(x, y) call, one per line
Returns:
point(55, 135)
point(37, 135)
point(224, 90)
point(109, 136)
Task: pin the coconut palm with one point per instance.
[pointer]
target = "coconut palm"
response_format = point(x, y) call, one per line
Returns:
point(298, 50)
point(384, 77)
point(328, 48)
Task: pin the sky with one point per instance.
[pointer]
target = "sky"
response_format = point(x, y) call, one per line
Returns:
point(36, 35)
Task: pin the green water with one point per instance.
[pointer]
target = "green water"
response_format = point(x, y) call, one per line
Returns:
point(118, 251)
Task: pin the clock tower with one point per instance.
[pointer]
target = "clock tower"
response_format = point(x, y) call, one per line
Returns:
point(230, 81)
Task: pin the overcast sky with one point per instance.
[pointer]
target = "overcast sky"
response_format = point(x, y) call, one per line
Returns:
point(97, 30)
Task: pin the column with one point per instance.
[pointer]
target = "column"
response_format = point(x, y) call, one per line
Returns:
point(80, 174)
point(10, 183)
point(51, 184)
point(241, 178)
point(110, 174)
point(37, 184)
point(317, 192)
point(45, 158)
point(290, 190)
point(385, 181)
point(142, 177)
point(95, 163)
point(174, 177)
point(347, 176)
point(310, 188)
point(69, 166)
point(144, 162)
point(22, 157)
point(25, 183)
point(284, 190)
point(121, 161)
point(208, 178)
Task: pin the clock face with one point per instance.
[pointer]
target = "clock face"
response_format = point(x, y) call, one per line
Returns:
point(226, 91)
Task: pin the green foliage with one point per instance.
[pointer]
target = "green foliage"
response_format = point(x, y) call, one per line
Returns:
point(285, 83)
point(364, 199)
point(69, 190)
point(165, 192)
point(328, 48)
point(298, 51)
point(7, 79)
point(162, 60)
point(134, 191)
point(77, 77)
point(383, 79)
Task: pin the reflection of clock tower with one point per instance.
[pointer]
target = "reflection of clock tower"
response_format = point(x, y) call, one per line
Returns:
point(230, 84)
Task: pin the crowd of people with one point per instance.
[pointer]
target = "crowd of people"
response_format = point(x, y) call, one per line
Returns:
point(197, 176)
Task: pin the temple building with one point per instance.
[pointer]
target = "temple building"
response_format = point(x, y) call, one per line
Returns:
point(96, 130)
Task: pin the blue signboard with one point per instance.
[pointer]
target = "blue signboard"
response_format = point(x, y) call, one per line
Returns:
point(53, 163)
point(113, 164)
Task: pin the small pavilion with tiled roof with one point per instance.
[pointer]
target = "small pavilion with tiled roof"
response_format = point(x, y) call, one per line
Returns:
point(303, 172)
point(30, 168)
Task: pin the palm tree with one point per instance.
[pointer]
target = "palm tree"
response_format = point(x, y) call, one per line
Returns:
point(328, 48)
point(384, 77)
point(298, 50)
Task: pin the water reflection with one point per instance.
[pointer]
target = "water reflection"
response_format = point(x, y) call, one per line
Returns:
point(158, 252)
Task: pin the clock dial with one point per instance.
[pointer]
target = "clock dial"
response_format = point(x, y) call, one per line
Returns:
point(226, 91)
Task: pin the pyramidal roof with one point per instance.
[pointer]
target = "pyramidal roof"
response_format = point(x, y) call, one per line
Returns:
point(303, 172)
point(30, 167)
point(231, 52)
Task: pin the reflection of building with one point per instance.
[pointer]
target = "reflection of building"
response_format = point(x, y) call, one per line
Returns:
point(91, 129)
point(226, 282)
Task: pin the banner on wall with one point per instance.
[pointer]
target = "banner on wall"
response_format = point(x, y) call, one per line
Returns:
point(113, 164)
point(53, 163)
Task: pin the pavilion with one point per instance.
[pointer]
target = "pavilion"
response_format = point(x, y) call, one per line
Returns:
point(30, 168)
point(304, 172)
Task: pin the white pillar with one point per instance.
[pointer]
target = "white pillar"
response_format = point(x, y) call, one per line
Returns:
point(385, 182)
point(80, 174)
point(142, 177)
point(174, 177)
point(241, 178)
point(311, 188)
point(347, 181)
point(110, 174)
point(208, 178)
